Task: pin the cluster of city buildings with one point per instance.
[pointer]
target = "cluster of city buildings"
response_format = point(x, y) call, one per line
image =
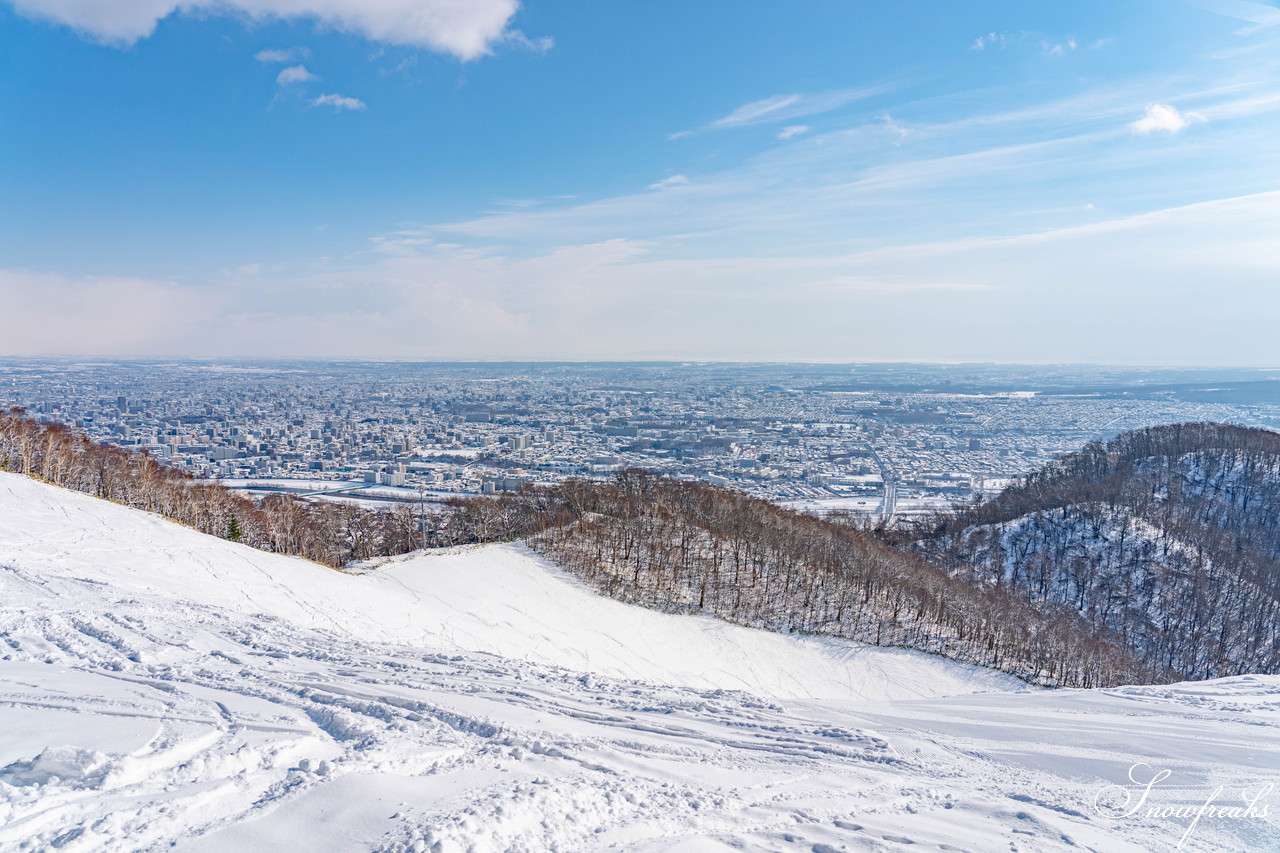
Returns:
point(887, 441)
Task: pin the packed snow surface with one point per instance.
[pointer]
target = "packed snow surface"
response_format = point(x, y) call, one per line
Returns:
point(161, 689)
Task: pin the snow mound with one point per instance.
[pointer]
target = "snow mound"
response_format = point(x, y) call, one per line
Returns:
point(66, 765)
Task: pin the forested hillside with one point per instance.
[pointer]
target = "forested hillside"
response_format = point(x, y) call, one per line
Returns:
point(690, 547)
point(1169, 536)
point(328, 533)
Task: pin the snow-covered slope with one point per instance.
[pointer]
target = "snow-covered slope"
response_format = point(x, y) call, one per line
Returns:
point(160, 689)
point(499, 599)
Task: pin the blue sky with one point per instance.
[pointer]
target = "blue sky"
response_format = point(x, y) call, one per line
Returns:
point(831, 181)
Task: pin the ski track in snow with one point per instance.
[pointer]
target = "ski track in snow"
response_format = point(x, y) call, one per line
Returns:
point(163, 690)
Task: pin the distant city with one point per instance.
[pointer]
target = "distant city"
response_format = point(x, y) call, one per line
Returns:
point(887, 440)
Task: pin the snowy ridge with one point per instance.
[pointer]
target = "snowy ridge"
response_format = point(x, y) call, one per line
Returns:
point(160, 689)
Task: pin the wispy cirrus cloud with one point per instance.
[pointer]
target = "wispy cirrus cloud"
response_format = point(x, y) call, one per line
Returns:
point(786, 107)
point(667, 183)
point(756, 111)
point(1049, 45)
point(969, 172)
point(1061, 48)
point(780, 108)
point(1260, 14)
point(283, 54)
point(541, 44)
point(987, 40)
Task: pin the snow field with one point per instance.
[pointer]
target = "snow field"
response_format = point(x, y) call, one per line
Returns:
point(160, 689)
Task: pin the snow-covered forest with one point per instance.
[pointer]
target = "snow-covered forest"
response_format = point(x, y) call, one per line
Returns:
point(687, 547)
point(1169, 536)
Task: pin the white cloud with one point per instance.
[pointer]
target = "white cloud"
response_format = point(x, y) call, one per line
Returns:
point(893, 127)
point(295, 74)
point(1163, 118)
point(288, 54)
point(793, 130)
point(464, 28)
point(989, 40)
point(1059, 48)
point(541, 44)
point(1047, 46)
point(338, 102)
point(667, 183)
